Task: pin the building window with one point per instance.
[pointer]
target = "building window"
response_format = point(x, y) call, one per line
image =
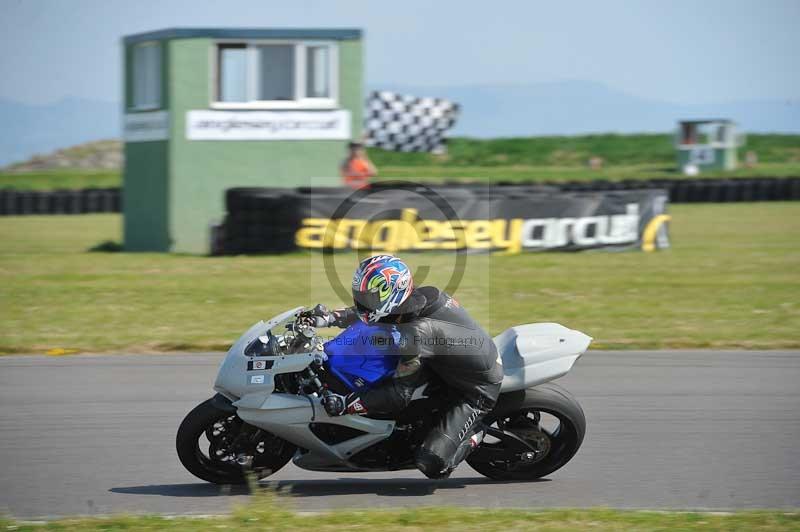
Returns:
point(276, 73)
point(233, 73)
point(146, 74)
point(282, 75)
point(318, 72)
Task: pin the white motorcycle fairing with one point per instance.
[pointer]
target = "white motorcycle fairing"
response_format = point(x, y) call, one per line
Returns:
point(531, 354)
point(537, 353)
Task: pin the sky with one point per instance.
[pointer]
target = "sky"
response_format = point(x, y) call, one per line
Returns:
point(676, 51)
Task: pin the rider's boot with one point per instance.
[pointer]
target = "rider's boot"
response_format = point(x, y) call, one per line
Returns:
point(436, 464)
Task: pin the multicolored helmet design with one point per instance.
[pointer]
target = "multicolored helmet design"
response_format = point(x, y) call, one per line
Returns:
point(380, 285)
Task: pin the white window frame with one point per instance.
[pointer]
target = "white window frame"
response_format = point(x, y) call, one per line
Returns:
point(153, 105)
point(253, 66)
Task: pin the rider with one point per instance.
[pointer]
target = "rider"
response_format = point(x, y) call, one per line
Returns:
point(435, 335)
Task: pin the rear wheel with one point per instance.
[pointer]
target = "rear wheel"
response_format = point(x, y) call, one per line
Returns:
point(214, 444)
point(532, 433)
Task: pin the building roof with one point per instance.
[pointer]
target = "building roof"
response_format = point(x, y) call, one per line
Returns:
point(336, 34)
point(707, 121)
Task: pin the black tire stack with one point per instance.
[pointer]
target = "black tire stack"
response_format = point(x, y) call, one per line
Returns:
point(264, 220)
point(259, 220)
point(262, 206)
point(90, 200)
point(701, 190)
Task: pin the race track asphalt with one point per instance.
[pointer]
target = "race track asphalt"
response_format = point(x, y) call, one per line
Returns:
point(94, 434)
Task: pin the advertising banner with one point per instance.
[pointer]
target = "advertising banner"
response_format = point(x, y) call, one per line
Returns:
point(507, 220)
point(268, 125)
point(146, 127)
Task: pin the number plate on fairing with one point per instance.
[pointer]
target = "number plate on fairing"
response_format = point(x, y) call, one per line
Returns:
point(260, 365)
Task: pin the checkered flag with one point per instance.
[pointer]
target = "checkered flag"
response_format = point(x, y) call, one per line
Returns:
point(399, 122)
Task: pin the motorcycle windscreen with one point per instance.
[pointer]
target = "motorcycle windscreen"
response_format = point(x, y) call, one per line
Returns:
point(363, 354)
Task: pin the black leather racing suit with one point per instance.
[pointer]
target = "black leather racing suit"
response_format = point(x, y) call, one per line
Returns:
point(442, 338)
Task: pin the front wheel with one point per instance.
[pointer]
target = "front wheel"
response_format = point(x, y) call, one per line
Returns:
point(531, 433)
point(215, 445)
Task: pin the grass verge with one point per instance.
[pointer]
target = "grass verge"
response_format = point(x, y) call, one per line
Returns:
point(731, 280)
point(60, 179)
point(528, 173)
point(575, 151)
point(512, 159)
point(263, 515)
point(431, 173)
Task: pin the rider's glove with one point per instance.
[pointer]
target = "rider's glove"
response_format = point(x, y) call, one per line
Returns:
point(342, 318)
point(338, 405)
point(316, 317)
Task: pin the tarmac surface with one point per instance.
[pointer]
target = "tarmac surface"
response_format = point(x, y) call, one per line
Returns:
point(93, 434)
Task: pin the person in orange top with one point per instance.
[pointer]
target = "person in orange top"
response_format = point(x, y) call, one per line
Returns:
point(357, 168)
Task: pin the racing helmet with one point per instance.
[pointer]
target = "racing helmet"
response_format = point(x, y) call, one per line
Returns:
point(382, 287)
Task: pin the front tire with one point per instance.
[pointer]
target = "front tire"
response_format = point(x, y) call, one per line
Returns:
point(227, 438)
point(516, 419)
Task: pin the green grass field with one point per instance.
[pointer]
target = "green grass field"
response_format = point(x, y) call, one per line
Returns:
point(524, 173)
point(274, 517)
point(514, 159)
point(575, 151)
point(268, 510)
point(77, 179)
point(732, 279)
point(60, 179)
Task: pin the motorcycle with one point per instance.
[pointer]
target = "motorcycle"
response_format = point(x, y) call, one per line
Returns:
point(267, 409)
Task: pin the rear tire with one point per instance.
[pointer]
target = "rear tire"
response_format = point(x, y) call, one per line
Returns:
point(562, 443)
point(204, 417)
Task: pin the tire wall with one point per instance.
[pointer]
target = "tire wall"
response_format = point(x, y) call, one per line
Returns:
point(97, 200)
point(91, 200)
point(259, 220)
point(704, 190)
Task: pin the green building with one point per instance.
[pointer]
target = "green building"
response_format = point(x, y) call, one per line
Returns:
point(211, 109)
point(709, 144)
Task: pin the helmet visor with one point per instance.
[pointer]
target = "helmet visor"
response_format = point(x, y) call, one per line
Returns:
point(368, 299)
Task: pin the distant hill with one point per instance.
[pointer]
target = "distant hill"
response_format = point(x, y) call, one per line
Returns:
point(27, 130)
point(96, 155)
point(558, 108)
